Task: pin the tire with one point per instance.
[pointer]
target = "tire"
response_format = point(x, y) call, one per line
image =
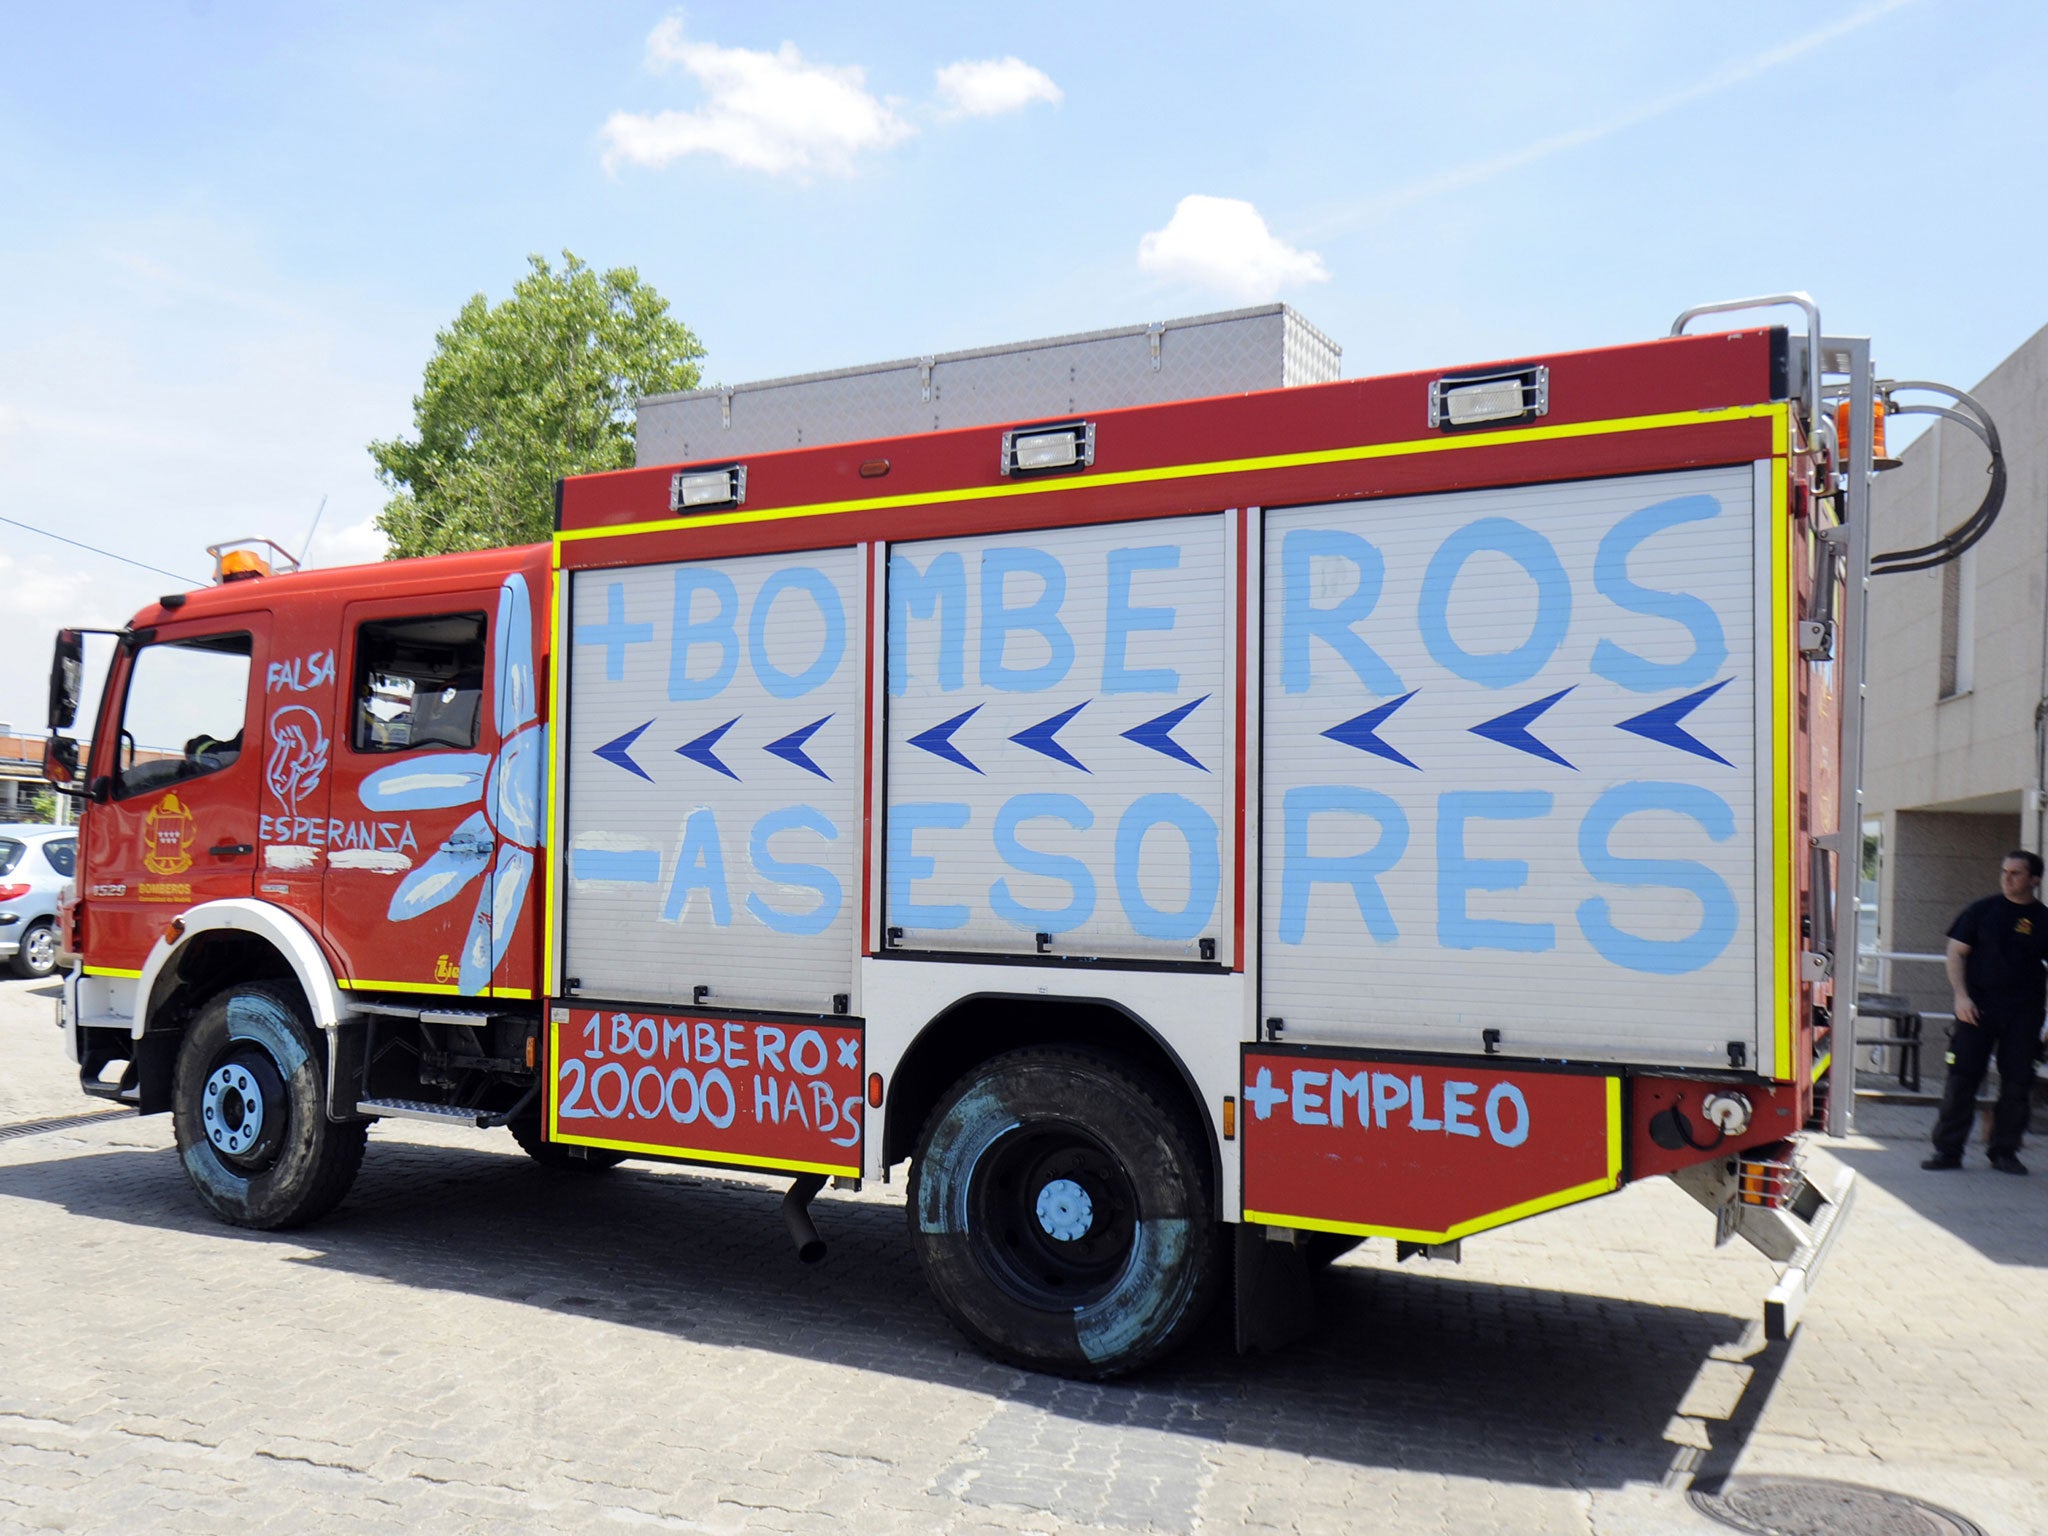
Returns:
point(249, 1109)
point(1063, 1214)
point(37, 956)
point(532, 1139)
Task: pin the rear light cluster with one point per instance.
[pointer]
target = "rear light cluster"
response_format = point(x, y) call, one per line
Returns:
point(1768, 1177)
point(11, 890)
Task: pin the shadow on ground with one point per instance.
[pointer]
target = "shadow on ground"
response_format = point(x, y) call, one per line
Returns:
point(2004, 1218)
point(1417, 1369)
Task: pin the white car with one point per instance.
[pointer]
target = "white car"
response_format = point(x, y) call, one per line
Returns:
point(35, 862)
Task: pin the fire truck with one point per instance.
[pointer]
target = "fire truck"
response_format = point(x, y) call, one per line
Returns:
point(1193, 836)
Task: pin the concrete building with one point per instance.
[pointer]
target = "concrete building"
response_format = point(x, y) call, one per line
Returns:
point(21, 773)
point(1958, 673)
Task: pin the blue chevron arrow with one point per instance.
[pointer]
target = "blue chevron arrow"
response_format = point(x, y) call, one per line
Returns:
point(618, 748)
point(1157, 733)
point(1039, 737)
point(1362, 731)
point(1661, 723)
point(1512, 729)
point(790, 748)
point(699, 751)
point(939, 739)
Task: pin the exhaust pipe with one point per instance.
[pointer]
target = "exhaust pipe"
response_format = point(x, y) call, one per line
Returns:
point(796, 1217)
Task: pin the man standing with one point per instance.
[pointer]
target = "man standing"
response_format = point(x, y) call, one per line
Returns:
point(1996, 950)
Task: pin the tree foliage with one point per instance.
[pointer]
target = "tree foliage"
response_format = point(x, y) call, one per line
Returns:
point(518, 395)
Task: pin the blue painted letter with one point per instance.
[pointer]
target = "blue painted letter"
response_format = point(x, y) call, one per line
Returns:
point(803, 578)
point(1052, 866)
point(1301, 871)
point(814, 876)
point(700, 866)
point(1040, 617)
point(1301, 621)
point(1458, 876)
point(1205, 866)
point(1657, 957)
point(1636, 673)
point(1123, 619)
point(688, 631)
point(907, 866)
point(1533, 553)
point(941, 589)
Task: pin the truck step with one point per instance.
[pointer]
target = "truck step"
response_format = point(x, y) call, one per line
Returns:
point(472, 1018)
point(417, 1109)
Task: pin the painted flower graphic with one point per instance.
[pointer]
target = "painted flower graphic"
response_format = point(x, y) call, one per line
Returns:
point(502, 836)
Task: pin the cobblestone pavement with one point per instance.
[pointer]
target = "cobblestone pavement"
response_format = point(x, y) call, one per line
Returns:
point(475, 1344)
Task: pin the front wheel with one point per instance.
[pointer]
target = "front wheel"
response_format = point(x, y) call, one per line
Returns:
point(249, 1109)
point(1063, 1215)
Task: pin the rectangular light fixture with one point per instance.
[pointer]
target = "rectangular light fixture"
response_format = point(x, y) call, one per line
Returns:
point(1479, 400)
point(1035, 450)
point(708, 488)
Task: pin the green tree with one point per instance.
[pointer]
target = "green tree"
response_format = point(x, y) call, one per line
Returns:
point(520, 394)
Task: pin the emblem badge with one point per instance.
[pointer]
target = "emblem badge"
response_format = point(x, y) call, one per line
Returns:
point(167, 833)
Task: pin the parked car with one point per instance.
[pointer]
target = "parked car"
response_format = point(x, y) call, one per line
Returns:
point(35, 863)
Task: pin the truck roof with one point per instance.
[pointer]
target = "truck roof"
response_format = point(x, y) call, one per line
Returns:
point(384, 578)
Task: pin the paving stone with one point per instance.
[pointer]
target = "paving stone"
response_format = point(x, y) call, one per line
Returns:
point(473, 1344)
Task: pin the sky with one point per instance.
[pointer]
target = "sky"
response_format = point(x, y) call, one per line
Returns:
point(229, 232)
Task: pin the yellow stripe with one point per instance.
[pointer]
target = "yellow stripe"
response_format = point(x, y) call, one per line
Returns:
point(1550, 1202)
point(1491, 1219)
point(1820, 1067)
point(557, 674)
point(737, 1159)
point(439, 989)
point(693, 1154)
point(1784, 801)
point(113, 970)
point(1614, 1131)
point(1355, 454)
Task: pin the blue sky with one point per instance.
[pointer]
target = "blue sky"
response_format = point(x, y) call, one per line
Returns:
point(229, 232)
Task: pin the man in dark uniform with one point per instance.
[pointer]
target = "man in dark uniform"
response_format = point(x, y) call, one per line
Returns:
point(1996, 950)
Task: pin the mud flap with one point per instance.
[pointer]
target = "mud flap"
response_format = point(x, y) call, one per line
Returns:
point(1274, 1301)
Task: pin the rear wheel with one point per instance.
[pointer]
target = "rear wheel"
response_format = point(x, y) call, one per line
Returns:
point(37, 956)
point(249, 1108)
point(1063, 1214)
point(527, 1131)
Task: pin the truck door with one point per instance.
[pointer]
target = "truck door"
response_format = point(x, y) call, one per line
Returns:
point(436, 805)
point(178, 824)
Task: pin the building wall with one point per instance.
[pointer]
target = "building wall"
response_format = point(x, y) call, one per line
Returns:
point(1936, 863)
point(1955, 672)
point(1974, 748)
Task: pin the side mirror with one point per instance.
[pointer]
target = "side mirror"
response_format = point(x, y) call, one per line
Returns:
point(60, 759)
point(67, 679)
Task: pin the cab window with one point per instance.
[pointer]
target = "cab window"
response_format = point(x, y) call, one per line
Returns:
point(183, 713)
point(419, 683)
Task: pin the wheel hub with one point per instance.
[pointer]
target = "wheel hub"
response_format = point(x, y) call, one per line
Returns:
point(232, 1109)
point(1065, 1210)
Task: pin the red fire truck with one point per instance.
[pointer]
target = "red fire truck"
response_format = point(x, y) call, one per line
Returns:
point(1194, 837)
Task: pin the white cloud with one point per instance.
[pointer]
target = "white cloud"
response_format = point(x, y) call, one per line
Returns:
point(772, 112)
point(991, 87)
point(1223, 244)
point(350, 544)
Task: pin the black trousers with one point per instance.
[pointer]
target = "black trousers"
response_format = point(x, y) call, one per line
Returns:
point(1971, 1048)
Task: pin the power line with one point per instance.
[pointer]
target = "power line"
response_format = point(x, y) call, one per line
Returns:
point(95, 550)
